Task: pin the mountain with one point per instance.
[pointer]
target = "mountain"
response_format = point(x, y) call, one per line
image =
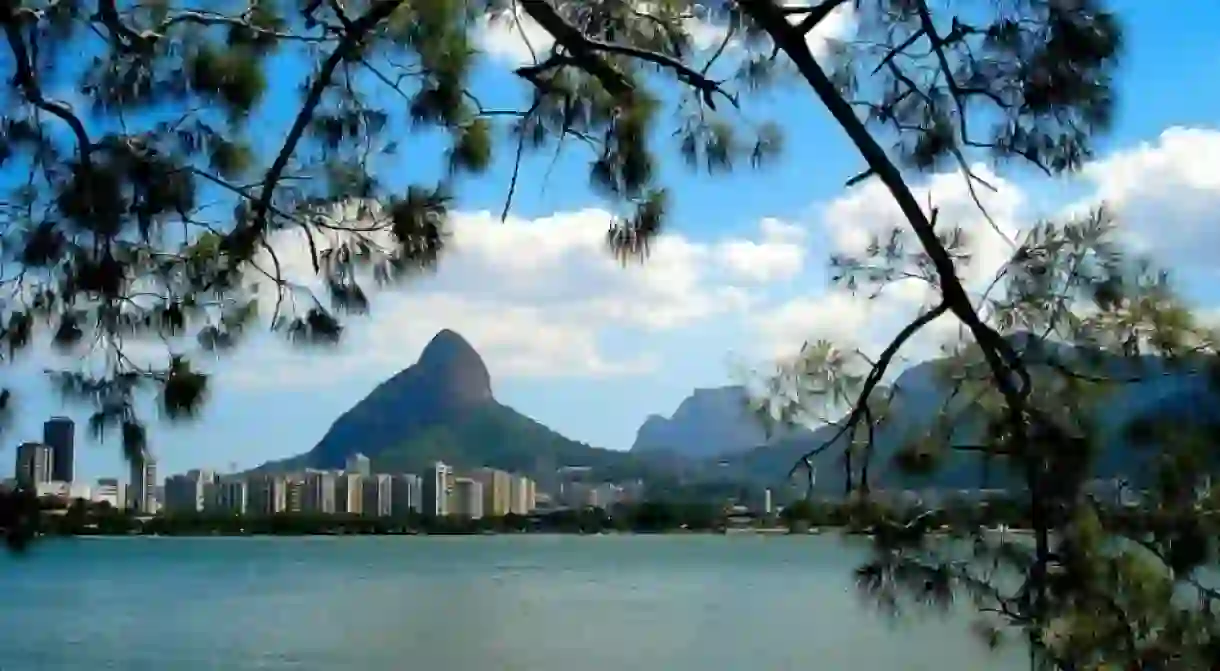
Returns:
point(1182, 393)
point(708, 423)
point(442, 408)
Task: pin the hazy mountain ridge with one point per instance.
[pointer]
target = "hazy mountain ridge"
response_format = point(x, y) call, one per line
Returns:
point(443, 408)
point(709, 423)
point(1162, 391)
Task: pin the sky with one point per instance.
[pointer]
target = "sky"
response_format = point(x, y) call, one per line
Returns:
point(738, 279)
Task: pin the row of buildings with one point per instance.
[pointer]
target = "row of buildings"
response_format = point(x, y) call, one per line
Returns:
point(48, 466)
point(53, 459)
point(353, 490)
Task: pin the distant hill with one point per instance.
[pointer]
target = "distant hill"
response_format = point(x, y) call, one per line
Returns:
point(708, 423)
point(1181, 393)
point(442, 408)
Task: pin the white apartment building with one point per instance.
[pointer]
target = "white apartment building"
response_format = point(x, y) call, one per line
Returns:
point(467, 498)
point(438, 484)
point(143, 485)
point(522, 495)
point(497, 491)
point(349, 493)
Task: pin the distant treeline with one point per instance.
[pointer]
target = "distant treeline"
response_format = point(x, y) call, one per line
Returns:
point(23, 516)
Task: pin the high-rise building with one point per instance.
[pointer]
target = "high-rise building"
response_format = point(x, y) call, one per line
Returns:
point(318, 492)
point(497, 491)
point(294, 493)
point(522, 495)
point(189, 492)
point(467, 498)
point(438, 482)
point(349, 493)
point(358, 464)
point(378, 495)
point(232, 495)
point(405, 494)
point(143, 495)
point(60, 434)
point(268, 494)
point(35, 464)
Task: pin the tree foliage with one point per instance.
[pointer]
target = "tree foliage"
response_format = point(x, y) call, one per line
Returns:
point(160, 199)
point(112, 228)
point(154, 202)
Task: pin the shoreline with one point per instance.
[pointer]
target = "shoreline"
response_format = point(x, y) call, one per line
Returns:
point(769, 531)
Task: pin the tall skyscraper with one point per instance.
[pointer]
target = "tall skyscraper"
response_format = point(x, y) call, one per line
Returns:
point(35, 463)
point(143, 485)
point(60, 434)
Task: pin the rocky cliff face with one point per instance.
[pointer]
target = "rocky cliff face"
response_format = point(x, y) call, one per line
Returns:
point(449, 379)
point(710, 422)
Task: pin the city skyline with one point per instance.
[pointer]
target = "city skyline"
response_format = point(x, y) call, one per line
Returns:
point(47, 466)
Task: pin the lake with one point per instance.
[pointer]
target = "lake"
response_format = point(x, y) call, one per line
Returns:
point(496, 603)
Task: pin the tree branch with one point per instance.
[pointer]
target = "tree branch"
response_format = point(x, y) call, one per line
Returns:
point(583, 48)
point(874, 378)
point(380, 11)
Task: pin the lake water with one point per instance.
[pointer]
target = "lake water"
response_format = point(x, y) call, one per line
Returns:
point(501, 603)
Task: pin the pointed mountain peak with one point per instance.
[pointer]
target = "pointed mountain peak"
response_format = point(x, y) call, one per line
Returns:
point(445, 346)
point(455, 368)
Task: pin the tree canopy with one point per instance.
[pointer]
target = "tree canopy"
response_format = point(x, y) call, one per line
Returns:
point(151, 202)
point(113, 228)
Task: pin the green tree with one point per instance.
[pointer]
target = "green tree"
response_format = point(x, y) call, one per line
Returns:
point(1092, 588)
point(111, 228)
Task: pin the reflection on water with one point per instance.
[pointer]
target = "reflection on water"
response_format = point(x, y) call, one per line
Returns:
point(536, 603)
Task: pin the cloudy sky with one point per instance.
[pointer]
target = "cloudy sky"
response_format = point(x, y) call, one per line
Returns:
point(590, 348)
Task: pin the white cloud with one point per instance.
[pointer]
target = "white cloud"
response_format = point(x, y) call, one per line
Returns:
point(868, 212)
point(535, 297)
point(778, 255)
point(1165, 194)
point(542, 297)
point(836, 26)
point(513, 37)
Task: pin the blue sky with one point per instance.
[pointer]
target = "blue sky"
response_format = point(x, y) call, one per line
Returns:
point(590, 349)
